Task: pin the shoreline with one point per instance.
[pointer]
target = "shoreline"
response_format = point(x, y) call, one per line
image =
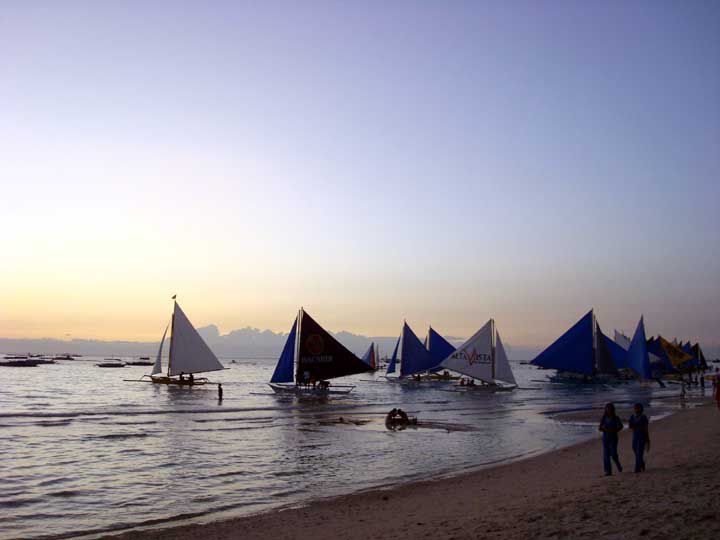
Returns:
point(551, 495)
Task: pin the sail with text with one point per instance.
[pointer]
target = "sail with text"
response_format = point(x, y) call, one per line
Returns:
point(320, 356)
point(393, 358)
point(438, 347)
point(583, 349)
point(415, 357)
point(482, 357)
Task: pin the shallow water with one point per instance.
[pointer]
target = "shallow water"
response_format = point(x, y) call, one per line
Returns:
point(83, 451)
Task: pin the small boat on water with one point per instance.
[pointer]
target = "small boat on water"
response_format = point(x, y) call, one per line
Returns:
point(142, 361)
point(310, 358)
point(19, 362)
point(482, 358)
point(111, 363)
point(189, 354)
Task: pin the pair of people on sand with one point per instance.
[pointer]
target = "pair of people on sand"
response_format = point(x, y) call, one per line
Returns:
point(611, 425)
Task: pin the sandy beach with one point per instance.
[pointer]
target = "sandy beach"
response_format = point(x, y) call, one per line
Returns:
point(562, 494)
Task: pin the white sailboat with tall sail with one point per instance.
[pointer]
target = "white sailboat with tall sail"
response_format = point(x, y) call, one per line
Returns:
point(189, 354)
point(483, 358)
point(311, 356)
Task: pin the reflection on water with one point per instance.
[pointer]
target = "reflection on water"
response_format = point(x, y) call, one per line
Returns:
point(83, 451)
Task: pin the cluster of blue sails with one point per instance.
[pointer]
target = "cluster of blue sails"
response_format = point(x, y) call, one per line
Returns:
point(584, 349)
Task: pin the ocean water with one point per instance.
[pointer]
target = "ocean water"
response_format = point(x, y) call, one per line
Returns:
point(82, 452)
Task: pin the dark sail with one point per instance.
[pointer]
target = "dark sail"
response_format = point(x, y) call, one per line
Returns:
point(321, 356)
point(603, 356)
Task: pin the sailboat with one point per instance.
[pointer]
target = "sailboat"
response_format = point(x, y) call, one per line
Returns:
point(483, 357)
point(582, 354)
point(370, 357)
point(189, 354)
point(311, 356)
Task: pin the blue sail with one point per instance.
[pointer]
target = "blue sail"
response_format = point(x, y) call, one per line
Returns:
point(415, 357)
point(573, 351)
point(393, 360)
point(284, 370)
point(438, 347)
point(637, 354)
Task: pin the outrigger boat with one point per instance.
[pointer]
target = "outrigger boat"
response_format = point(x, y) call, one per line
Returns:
point(417, 361)
point(482, 358)
point(311, 356)
point(583, 355)
point(189, 354)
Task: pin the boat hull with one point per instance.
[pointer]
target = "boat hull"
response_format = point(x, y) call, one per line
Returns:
point(177, 382)
point(291, 389)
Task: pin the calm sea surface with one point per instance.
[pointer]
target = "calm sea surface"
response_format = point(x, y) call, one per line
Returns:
point(81, 451)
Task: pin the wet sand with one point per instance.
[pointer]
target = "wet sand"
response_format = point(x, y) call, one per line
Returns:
point(562, 494)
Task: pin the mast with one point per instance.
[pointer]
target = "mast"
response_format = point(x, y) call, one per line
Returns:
point(492, 348)
point(172, 337)
point(296, 357)
point(594, 343)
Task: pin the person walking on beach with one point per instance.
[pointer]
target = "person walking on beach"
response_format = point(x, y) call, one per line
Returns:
point(610, 425)
point(638, 422)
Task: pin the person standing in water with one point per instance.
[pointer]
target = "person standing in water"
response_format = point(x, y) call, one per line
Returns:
point(639, 423)
point(610, 425)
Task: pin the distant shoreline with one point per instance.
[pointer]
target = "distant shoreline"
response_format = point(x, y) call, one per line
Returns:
point(555, 494)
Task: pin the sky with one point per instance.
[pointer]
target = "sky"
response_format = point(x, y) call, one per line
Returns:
point(439, 162)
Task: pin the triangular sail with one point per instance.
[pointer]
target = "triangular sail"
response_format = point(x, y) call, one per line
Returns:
point(369, 356)
point(637, 355)
point(698, 353)
point(573, 351)
point(604, 362)
point(503, 371)
point(415, 357)
point(393, 359)
point(321, 356)
point(284, 369)
point(188, 352)
point(438, 346)
point(157, 367)
point(474, 357)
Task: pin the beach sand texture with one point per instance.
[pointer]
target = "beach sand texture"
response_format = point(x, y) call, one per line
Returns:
point(562, 494)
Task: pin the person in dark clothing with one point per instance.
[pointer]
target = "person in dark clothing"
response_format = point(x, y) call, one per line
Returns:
point(220, 392)
point(610, 425)
point(641, 436)
point(191, 379)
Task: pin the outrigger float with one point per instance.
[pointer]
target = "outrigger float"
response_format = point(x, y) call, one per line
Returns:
point(189, 354)
point(310, 358)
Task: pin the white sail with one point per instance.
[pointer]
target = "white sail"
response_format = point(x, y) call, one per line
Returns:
point(474, 357)
point(622, 340)
point(503, 372)
point(157, 368)
point(188, 352)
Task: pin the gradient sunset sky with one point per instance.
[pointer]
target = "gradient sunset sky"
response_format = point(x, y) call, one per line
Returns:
point(443, 162)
